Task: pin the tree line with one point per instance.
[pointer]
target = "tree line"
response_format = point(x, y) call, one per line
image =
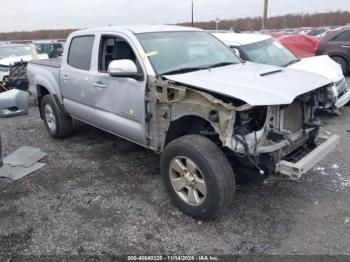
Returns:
point(336, 18)
point(34, 35)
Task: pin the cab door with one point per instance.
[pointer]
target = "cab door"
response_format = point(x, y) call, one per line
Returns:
point(117, 103)
point(76, 75)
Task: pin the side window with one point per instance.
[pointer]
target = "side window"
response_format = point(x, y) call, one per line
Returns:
point(343, 37)
point(114, 48)
point(80, 52)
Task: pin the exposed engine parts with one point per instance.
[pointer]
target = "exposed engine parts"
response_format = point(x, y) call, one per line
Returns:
point(251, 133)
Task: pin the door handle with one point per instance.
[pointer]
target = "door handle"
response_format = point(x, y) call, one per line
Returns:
point(65, 78)
point(99, 85)
point(345, 46)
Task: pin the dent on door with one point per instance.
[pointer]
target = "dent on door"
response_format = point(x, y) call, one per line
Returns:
point(119, 106)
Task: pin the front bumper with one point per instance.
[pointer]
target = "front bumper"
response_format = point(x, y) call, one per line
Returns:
point(294, 171)
point(3, 74)
point(343, 100)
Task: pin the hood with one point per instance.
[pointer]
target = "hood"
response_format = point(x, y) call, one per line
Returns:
point(255, 84)
point(12, 59)
point(322, 65)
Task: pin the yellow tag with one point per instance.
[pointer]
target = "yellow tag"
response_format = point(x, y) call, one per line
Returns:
point(151, 53)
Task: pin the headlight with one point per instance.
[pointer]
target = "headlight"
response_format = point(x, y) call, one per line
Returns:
point(327, 95)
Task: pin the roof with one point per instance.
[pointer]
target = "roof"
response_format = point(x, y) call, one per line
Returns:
point(136, 29)
point(240, 39)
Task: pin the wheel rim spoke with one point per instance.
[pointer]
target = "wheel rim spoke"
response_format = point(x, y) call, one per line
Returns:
point(191, 167)
point(178, 183)
point(200, 186)
point(193, 196)
point(179, 167)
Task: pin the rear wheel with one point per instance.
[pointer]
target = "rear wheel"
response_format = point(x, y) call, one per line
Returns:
point(57, 124)
point(342, 62)
point(197, 176)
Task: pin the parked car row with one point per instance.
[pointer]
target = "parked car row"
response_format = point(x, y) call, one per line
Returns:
point(184, 94)
point(336, 44)
point(333, 42)
point(266, 50)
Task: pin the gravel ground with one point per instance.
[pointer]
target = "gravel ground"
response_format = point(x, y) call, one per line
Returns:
point(100, 194)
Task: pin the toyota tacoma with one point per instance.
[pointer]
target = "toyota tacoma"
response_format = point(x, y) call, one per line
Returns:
point(185, 95)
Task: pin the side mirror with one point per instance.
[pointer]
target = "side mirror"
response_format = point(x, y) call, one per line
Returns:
point(236, 51)
point(123, 68)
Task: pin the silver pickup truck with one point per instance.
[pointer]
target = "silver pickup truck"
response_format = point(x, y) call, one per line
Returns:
point(182, 93)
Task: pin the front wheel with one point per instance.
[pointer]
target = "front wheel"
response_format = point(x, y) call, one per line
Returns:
point(198, 177)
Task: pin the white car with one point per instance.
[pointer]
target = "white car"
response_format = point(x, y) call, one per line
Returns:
point(266, 50)
point(10, 54)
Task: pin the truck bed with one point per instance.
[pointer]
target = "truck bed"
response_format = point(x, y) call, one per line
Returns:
point(49, 70)
point(54, 62)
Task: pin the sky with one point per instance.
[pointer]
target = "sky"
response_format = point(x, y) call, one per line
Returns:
point(28, 15)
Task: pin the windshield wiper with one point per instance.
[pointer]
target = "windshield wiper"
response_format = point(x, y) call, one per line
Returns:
point(220, 64)
point(184, 70)
point(292, 62)
point(191, 69)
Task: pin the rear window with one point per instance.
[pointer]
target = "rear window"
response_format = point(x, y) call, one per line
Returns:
point(80, 52)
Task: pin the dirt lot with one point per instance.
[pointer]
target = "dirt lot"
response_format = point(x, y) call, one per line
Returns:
point(100, 194)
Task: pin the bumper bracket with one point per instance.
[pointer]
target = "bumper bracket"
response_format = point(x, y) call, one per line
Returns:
point(294, 171)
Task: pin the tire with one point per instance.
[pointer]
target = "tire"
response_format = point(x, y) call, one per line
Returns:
point(342, 62)
point(57, 124)
point(211, 167)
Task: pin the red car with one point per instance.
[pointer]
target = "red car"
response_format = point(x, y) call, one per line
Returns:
point(336, 44)
point(300, 45)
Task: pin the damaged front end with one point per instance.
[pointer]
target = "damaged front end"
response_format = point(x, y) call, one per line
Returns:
point(277, 141)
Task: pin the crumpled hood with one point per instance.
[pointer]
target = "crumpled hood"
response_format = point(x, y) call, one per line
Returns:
point(7, 61)
point(255, 84)
point(12, 59)
point(322, 65)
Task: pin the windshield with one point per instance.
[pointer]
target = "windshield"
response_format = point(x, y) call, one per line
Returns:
point(7, 51)
point(268, 52)
point(174, 51)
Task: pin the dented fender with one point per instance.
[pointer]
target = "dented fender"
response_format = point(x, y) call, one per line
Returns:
point(173, 102)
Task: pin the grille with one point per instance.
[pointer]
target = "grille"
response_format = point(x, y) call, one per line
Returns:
point(342, 87)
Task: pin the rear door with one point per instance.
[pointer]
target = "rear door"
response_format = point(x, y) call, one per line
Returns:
point(75, 76)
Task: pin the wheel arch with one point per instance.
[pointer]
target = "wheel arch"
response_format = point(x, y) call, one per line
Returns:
point(43, 91)
point(190, 124)
point(344, 57)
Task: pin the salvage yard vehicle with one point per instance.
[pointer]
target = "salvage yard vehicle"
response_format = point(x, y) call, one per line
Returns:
point(336, 44)
point(183, 93)
point(265, 50)
point(10, 54)
point(52, 49)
